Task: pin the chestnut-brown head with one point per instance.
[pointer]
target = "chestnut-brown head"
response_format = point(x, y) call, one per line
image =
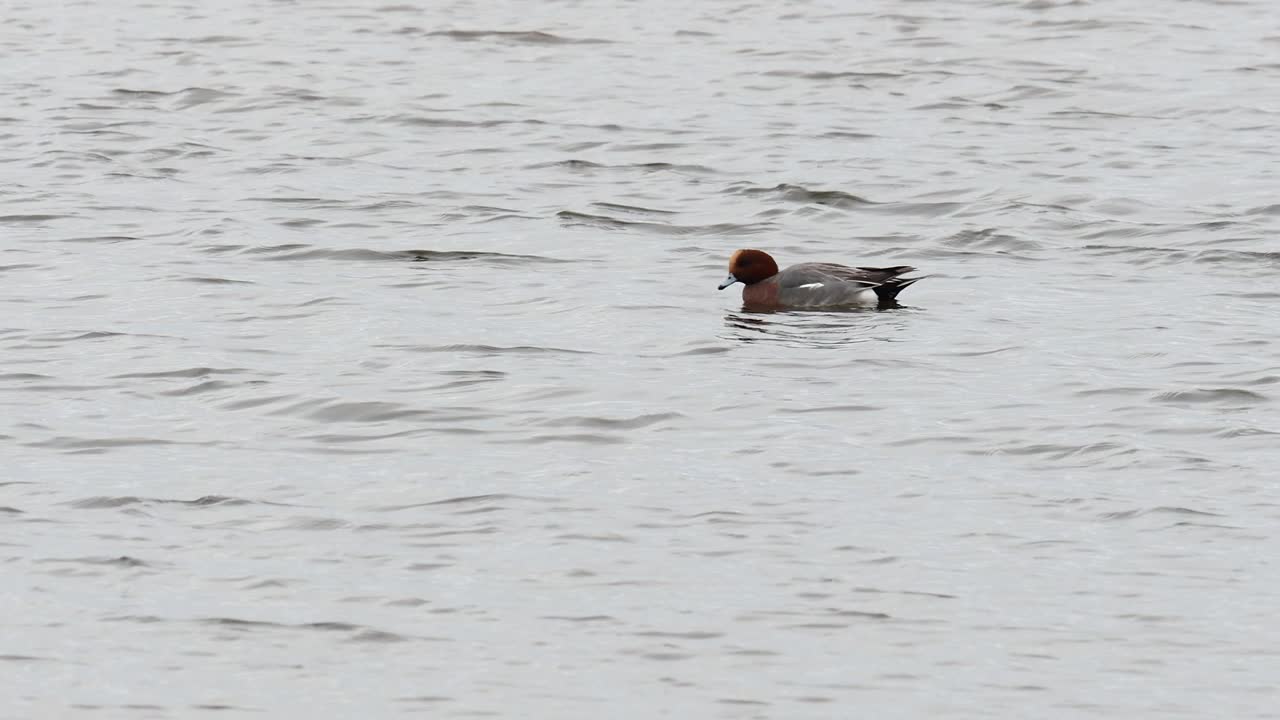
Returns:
point(749, 267)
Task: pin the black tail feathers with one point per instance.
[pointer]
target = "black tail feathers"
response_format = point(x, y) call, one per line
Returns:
point(888, 292)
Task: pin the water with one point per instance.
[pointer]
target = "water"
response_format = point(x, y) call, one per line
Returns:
point(366, 359)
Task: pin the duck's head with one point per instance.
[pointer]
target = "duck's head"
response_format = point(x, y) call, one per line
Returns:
point(749, 267)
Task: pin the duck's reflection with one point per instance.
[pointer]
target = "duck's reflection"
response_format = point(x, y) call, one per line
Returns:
point(815, 328)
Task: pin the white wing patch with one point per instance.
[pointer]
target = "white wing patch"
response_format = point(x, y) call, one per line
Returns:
point(809, 286)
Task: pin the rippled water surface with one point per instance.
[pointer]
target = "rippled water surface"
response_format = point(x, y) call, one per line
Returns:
point(365, 359)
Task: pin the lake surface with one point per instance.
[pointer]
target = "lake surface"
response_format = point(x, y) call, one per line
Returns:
point(365, 359)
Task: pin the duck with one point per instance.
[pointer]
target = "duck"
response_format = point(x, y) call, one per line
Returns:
point(812, 285)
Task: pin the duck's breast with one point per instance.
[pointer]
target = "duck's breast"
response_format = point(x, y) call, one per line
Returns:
point(762, 294)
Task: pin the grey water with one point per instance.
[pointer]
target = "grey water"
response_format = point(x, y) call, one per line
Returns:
point(365, 359)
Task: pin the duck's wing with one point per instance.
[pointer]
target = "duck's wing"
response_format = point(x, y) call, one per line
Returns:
point(818, 284)
point(806, 273)
point(831, 284)
point(879, 276)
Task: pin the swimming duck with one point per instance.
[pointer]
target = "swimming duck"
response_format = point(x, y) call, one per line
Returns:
point(809, 285)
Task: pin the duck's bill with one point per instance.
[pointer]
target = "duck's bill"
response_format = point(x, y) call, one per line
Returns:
point(728, 281)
